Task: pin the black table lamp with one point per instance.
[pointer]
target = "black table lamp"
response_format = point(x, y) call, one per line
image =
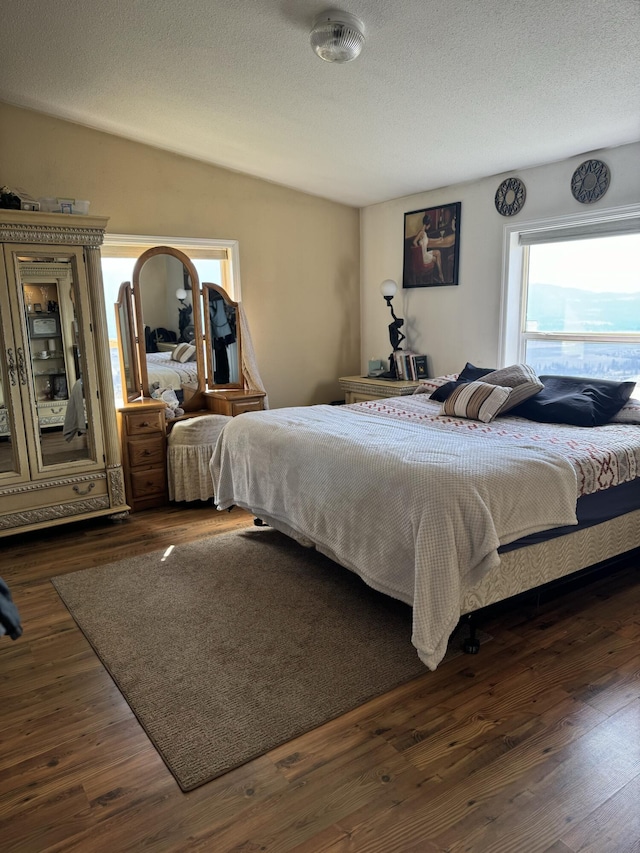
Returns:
point(388, 289)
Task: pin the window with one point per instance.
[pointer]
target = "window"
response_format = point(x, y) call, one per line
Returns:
point(571, 301)
point(216, 261)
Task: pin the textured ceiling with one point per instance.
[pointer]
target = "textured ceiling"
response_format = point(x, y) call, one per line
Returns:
point(443, 92)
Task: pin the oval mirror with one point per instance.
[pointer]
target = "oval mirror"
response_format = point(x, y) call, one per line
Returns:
point(222, 338)
point(165, 295)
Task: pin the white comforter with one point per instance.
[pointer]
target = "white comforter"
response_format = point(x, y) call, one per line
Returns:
point(417, 512)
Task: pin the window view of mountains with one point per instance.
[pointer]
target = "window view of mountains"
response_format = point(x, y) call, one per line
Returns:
point(562, 309)
point(567, 309)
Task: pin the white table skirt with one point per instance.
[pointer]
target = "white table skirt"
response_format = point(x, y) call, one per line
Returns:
point(190, 446)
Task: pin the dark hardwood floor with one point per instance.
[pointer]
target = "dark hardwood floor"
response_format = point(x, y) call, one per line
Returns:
point(532, 745)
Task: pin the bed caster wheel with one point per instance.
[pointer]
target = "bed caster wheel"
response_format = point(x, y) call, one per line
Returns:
point(471, 646)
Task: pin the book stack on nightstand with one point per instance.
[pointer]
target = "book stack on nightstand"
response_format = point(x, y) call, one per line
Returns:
point(359, 388)
point(411, 365)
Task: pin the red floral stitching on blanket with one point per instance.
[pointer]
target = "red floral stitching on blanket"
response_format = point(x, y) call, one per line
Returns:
point(602, 456)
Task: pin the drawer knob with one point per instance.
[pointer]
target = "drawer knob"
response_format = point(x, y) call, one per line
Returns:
point(144, 424)
point(146, 453)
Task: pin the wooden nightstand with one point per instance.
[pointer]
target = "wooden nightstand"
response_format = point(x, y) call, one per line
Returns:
point(360, 388)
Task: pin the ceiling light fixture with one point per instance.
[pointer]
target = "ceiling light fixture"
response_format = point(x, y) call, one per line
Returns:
point(337, 36)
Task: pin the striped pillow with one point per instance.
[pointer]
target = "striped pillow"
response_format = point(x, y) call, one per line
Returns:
point(183, 352)
point(477, 401)
point(521, 378)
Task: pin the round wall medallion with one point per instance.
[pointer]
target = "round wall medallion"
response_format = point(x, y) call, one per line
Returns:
point(590, 181)
point(510, 197)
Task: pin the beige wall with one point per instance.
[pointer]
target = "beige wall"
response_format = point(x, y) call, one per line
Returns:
point(299, 255)
point(454, 325)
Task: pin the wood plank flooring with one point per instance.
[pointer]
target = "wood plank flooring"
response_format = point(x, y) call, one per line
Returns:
point(531, 746)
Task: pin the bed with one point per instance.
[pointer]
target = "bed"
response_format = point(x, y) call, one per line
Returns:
point(175, 375)
point(446, 513)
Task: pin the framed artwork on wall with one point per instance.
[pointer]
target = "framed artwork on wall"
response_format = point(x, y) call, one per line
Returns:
point(431, 246)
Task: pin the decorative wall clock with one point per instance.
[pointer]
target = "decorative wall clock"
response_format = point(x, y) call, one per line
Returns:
point(510, 197)
point(590, 181)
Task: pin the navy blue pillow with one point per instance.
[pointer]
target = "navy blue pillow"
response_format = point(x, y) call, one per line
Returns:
point(442, 393)
point(471, 373)
point(575, 400)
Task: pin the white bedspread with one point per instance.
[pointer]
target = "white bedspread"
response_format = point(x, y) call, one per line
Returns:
point(417, 512)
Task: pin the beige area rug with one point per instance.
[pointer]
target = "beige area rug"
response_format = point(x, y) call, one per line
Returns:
point(227, 647)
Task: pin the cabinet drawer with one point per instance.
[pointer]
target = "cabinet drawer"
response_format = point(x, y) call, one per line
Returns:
point(53, 495)
point(150, 451)
point(234, 402)
point(52, 414)
point(143, 423)
point(359, 397)
point(240, 406)
point(147, 483)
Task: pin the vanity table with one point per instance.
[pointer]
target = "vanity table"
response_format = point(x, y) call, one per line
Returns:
point(210, 381)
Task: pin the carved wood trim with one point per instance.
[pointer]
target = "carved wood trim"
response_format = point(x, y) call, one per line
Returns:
point(49, 513)
point(51, 234)
point(116, 486)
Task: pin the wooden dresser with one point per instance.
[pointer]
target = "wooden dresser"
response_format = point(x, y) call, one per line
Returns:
point(143, 433)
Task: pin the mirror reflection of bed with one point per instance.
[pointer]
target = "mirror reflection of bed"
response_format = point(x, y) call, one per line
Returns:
point(165, 297)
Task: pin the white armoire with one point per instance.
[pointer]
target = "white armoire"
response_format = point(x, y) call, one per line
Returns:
point(59, 446)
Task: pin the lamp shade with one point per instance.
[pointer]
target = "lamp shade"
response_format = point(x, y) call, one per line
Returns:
point(388, 287)
point(181, 293)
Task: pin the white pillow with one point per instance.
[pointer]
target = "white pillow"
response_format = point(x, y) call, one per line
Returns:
point(477, 401)
point(183, 352)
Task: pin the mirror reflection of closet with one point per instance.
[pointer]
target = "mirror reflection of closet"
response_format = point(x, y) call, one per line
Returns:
point(56, 358)
point(222, 337)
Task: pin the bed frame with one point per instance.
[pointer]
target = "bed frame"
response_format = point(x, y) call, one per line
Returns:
point(525, 569)
point(528, 568)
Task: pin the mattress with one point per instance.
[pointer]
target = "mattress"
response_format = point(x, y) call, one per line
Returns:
point(590, 510)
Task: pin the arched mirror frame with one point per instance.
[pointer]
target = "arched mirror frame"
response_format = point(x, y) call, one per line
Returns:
point(197, 322)
point(207, 290)
point(127, 346)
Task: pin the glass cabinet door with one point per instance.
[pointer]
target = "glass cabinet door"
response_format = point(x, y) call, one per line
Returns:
point(14, 465)
point(60, 369)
